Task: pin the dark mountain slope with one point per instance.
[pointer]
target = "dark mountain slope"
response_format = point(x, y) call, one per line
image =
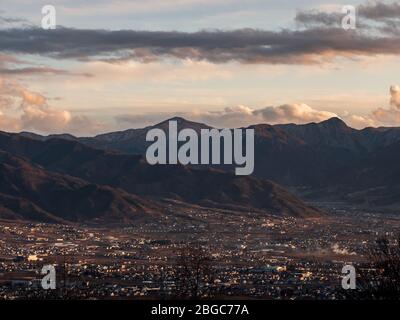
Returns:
point(327, 158)
point(292, 155)
point(134, 175)
point(32, 193)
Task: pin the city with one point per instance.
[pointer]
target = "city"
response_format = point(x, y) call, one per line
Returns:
point(251, 255)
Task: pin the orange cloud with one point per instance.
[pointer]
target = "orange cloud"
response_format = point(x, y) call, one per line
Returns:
point(28, 110)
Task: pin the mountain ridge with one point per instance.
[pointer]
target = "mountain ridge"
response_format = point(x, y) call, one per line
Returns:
point(28, 191)
point(327, 158)
point(133, 175)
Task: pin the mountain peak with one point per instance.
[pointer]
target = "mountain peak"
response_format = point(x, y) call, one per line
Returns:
point(182, 124)
point(334, 122)
point(179, 119)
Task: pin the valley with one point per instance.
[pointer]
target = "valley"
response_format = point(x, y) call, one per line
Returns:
point(253, 256)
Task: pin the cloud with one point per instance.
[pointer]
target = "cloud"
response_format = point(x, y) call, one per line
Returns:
point(156, 72)
point(297, 113)
point(10, 66)
point(44, 119)
point(23, 109)
point(39, 71)
point(8, 123)
point(361, 122)
point(13, 22)
point(51, 120)
point(370, 12)
point(4, 58)
point(321, 39)
point(35, 114)
point(379, 11)
point(378, 17)
point(309, 18)
point(137, 6)
point(238, 116)
point(380, 116)
point(386, 117)
point(32, 98)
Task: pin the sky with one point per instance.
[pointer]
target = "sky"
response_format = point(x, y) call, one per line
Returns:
point(113, 65)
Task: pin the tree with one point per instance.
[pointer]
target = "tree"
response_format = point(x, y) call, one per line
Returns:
point(380, 279)
point(194, 273)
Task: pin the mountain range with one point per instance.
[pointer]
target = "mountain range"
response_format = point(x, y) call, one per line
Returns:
point(327, 158)
point(65, 179)
point(316, 161)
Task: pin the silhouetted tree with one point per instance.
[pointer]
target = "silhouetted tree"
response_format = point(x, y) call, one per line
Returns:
point(380, 278)
point(194, 273)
